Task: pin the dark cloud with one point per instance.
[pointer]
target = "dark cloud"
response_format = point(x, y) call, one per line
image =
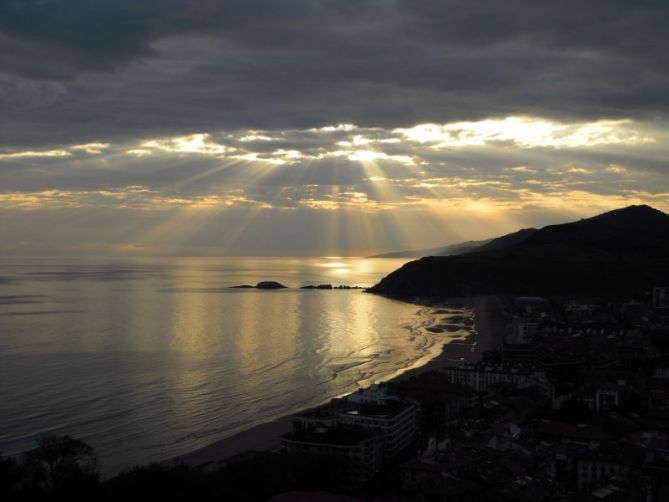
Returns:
point(79, 70)
point(256, 83)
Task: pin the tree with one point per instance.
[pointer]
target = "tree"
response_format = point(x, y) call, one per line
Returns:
point(61, 465)
point(10, 475)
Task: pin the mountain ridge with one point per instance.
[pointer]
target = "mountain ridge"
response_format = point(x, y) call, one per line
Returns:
point(463, 247)
point(621, 250)
point(448, 250)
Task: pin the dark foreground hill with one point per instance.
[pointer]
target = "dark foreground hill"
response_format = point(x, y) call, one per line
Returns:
point(620, 252)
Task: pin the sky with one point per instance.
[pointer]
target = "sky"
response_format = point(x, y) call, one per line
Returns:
point(323, 127)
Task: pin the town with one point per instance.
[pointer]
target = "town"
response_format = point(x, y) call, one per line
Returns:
point(573, 406)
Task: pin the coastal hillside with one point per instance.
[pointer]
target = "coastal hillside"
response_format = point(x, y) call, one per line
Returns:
point(619, 251)
point(464, 247)
point(507, 240)
point(452, 249)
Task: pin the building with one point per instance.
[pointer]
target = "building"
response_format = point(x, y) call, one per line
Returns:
point(427, 474)
point(607, 460)
point(521, 332)
point(479, 376)
point(579, 435)
point(388, 417)
point(532, 306)
point(636, 313)
point(313, 419)
point(375, 394)
point(355, 455)
point(437, 399)
point(393, 420)
point(580, 313)
point(661, 297)
point(606, 396)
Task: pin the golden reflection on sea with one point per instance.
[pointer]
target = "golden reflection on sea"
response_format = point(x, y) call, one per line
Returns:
point(166, 353)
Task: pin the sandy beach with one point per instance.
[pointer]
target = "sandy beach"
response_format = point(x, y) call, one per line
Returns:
point(488, 316)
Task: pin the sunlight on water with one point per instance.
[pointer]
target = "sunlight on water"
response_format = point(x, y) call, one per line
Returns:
point(150, 359)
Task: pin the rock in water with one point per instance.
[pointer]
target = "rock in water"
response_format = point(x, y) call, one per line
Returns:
point(270, 285)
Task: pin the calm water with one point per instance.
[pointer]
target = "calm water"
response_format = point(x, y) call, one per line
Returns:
point(146, 360)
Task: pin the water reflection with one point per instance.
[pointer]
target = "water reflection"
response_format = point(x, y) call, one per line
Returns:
point(166, 358)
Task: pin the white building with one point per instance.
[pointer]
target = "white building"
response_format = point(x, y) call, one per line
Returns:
point(479, 376)
point(394, 421)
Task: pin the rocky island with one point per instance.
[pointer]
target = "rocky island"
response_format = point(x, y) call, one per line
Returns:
point(262, 285)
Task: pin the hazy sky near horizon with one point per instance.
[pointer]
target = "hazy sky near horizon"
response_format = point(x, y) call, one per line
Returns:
point(323, 127)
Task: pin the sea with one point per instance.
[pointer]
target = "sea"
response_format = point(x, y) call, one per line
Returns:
point(147, 359)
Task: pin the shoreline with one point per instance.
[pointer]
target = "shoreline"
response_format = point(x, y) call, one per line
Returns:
point(488, 317)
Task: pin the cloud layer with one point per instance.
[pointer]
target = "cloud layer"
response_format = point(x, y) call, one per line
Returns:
point(82, 70)
point(346, 188)
point(306, 126)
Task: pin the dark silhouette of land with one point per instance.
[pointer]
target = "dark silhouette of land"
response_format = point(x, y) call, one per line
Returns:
point(278, 285)
point(330, 286)
point(262, 285)
point(451, 249)
point(462, 247)
point(621, 252)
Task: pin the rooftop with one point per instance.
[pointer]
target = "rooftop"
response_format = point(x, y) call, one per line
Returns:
point(336, 436)
point(580, 431)
point(386, 409)
point(431, 387)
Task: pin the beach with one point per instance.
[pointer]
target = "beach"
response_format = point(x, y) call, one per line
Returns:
point(488, 317)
